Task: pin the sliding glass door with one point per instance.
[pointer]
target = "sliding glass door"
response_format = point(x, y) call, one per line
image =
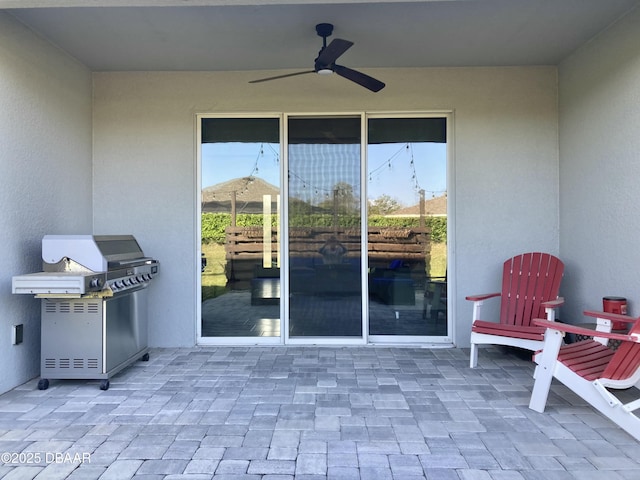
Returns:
point(407, 228)
point(240, 229)
point(324, 229)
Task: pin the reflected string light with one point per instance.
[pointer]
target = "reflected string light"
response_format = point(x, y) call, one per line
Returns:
point(387, 164)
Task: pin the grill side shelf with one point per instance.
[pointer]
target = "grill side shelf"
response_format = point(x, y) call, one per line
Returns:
point(60, 283)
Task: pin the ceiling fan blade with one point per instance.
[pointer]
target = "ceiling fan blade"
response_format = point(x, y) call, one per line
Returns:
point(281, 76)
point(332, 51)
point(360, 78)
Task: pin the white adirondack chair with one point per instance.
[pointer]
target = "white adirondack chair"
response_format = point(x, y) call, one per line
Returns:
point(590, 368)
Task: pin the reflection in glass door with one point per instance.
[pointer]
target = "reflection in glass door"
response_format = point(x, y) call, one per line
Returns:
point(318, 273)
point(324, 227)
point(407, 227)
point(240, 228)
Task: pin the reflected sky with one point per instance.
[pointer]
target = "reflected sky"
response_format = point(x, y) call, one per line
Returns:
point(412, 166)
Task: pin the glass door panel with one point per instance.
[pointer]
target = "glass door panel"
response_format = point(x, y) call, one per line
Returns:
point(240, 204)
point(324, 227)
point(407, 226)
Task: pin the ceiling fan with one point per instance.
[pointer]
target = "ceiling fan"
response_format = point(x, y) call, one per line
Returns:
point(325, 62)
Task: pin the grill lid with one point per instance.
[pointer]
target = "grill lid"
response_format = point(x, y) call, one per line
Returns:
point(77, 265)
point(97, 253)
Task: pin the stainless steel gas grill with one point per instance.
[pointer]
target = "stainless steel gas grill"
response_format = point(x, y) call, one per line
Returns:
point(94, 305)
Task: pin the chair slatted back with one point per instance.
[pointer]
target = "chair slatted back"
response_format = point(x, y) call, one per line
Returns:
point(527, 281)
point(626, 361)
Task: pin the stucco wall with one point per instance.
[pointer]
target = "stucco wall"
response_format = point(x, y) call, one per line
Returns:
point(45, 165)
point(599, 169)
point(504, 182)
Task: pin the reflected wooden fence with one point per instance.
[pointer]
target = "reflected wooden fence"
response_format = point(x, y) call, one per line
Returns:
point(250, 248)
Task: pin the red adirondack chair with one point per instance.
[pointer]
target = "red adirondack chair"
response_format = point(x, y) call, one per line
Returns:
point(530, 286)
point(591, 369)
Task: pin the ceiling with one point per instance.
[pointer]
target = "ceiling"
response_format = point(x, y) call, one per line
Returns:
point(161, 35)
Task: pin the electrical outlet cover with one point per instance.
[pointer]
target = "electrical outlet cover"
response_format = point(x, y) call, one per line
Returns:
point(17, 334)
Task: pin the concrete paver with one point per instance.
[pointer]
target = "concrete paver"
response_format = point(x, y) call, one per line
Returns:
point(260, 412)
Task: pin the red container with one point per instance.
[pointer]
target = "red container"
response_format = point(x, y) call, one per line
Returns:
point(615, 305)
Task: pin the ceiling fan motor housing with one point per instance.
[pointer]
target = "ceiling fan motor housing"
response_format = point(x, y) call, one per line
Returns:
point(324, 29)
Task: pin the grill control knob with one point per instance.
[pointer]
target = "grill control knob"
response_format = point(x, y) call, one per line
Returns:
point(96, 282)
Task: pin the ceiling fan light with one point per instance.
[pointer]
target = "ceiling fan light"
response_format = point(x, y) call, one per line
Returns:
point(325, 71)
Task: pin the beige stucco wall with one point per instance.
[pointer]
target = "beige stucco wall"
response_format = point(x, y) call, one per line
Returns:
point(45, 165)
point(599, 169)
point(504, 181)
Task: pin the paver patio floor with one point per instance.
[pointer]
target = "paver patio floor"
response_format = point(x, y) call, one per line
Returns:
point(309, 412)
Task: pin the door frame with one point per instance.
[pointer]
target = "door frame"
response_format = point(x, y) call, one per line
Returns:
point(366, 339)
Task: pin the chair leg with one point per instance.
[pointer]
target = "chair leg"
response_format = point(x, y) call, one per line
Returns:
point(602, 400)
point(473, 357)
point(543, 374)
point(541, 388)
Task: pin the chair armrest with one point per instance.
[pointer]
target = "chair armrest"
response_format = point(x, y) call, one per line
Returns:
point(587, 332)
point(558, 302)
point(478, 301)
point(483, 296)
point(550, 308)
point(610, 316)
